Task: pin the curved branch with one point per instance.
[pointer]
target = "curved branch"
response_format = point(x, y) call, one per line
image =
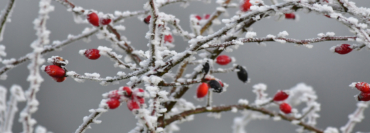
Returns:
point(218, 109)
point(288, 40)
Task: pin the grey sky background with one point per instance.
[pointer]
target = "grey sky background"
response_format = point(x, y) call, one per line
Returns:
point(280, 66)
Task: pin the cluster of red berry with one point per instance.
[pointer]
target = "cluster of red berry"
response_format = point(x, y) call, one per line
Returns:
point(281, 96)
point(205, 17)
point(167, 38)
point(134, 98)
point(246, 5)
point(365, 91)
point(94, 19)
point(215, 84)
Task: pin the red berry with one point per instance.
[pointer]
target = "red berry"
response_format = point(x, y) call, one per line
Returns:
point(147, 19)
point(363, 97)
point(343, 49)
point(290, 16)
point(286, 108)
point(198, 17)
point(114, 94)
point(141, 100)
point(92, 54)
point(168, 38)
point(246, 5)
point(202, 90)
point(138, 95)
point(223, 60)
point(363, 87)
point(59, 79)
point(93, 18)
point(131, 105)
point(113, 103)
point(206, 16)
point(55, 71)
point(105, 21)
point(127, 91)
point(281, 96)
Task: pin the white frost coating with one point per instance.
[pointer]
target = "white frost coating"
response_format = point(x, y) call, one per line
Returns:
point(120, 27)
point(214, 115)
point(276, 118)
point(93, 75)
point(331, 130)
point(234, 109)
point(330, 34)
point(82, 51)
point(270, 36)
point(295, 122)
point(35, 78)
point(243, 102)
point(280, 41)
point(283, 34)
point(57, 60)
point(103, 50)
point(297, 92)
point(41, 129)
point(353, 85)
point(250, 34)
point(261, 95)
point(16, 96)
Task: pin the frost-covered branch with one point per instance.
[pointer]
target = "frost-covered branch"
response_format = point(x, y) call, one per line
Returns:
point(119, 62)
point(283, 40)
point(5, 16)
point(352, 23)
point(92, 118)
point(121, 43)
point(35, 78)
point(154, 40)
point(188, 82)
point(214, 16)
point(218, 109)
point(17, 95)
point(355, 117)
point(49, 48)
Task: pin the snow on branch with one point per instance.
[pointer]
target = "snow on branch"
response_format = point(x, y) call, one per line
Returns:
point(355, 117)
point(303, 42)
point(35, 78)
point(17, 95)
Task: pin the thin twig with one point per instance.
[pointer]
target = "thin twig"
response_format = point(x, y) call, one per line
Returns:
point(4, 17)
point(213, 17)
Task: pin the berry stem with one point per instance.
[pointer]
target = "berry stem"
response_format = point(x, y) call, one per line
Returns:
point(209, 99)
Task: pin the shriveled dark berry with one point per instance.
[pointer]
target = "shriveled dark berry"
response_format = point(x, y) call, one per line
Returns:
point(242, 74)
point(363, 97)
point(215, 85)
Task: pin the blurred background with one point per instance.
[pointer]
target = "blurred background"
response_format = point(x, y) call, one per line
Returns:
point(279, 66)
